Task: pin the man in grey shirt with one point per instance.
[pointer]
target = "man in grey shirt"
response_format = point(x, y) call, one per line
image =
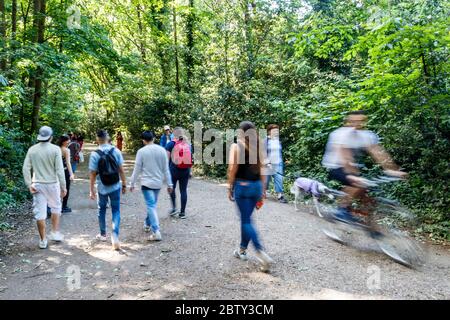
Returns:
point(152, 164)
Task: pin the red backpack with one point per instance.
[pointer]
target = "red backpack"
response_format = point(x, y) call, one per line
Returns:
point(182, 155)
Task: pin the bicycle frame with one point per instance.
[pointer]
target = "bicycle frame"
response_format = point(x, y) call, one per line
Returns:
point(370, 205)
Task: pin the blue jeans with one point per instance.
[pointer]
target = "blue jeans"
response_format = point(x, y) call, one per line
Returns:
point(247, 194)
point(74, 166)
point(151, 199)
point(277, 178)
point(114, 197)
point(181, 176)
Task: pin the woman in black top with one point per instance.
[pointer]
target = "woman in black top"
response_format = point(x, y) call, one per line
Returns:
point(180, 175)
point(246, 187)
point(63, 142)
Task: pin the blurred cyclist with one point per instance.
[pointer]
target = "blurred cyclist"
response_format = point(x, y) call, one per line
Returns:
point(345, 148)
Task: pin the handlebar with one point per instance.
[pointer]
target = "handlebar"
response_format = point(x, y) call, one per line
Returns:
point(375, 182)
point(387, 179)
point(367, 183)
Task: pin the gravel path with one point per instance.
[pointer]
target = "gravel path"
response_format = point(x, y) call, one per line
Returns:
point(194, 260)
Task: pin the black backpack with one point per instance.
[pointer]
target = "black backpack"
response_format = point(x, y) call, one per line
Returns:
point(108, 169)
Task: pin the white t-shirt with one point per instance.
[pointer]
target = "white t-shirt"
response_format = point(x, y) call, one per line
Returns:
point(274, 148)
point(347, 137)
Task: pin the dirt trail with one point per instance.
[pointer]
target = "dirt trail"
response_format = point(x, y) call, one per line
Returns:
point(194, 260)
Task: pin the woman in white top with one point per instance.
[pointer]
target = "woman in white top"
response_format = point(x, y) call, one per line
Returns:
point(275, 160)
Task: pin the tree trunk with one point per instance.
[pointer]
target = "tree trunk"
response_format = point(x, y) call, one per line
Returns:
point(227, 45)
point(25, 20)
point(249, 38)
point(189, 57)
point(142, 42)
point(426, 73)
point(3, 35)
point(14, 20)
point(175, 40)
point(39, 29)
point(159, 33)
point(61, 38)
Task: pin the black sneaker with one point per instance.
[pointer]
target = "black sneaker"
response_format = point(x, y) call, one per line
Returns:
point(282, 200)
point(345, 216)
point(173, 212)
point(376, 234)
point(66, 210)
point(182, 215)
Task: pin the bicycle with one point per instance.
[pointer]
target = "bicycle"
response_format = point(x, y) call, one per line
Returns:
point(374, 218)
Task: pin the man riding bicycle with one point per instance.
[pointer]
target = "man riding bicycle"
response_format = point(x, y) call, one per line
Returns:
point(344, 149)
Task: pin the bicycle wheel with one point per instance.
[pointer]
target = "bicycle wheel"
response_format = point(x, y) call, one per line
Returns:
point(324, 211)
point(341, 232)
point(387, 207)
point(402, 249)
point(318, 207)
point(333, 235)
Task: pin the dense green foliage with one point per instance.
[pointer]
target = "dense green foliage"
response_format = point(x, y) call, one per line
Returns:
point(140, 64)
point(11, 150)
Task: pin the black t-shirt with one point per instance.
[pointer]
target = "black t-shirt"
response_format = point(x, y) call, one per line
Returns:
point(247, 171)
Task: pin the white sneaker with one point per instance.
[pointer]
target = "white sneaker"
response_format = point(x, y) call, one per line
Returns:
point(147, 228)
point(265, 260)
point(115, 242)
point(99, 237)
point(43, 244)
point(241, 254)
point(156, 236)
point(56, 236)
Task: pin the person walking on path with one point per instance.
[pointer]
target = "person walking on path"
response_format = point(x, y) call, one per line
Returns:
point(153, 166)
point(74, 148)
point(246, 184)
point(47, 183)
point(180, 162)
point(63, 142)
point(119, 140)
point(106, 168)
point(275, 160)
point(166, 137)
point(80, 141)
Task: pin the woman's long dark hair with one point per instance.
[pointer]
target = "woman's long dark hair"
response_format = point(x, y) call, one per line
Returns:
point(63, 139)
point(251, 146)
